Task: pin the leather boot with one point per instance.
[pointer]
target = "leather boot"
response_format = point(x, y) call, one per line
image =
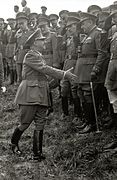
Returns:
point(90, 118)
point(65, 105)
point(14, 141)
point(37, 145)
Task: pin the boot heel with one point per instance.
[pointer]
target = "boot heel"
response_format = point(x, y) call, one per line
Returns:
point(15, 149)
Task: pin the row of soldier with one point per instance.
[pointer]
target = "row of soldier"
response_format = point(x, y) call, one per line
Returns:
point(83, 42)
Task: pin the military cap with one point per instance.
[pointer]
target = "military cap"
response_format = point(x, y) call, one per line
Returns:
point(30, 40)
point(43, 20)
point(103, 15)
point(21, 15)
point(53, 17)
point(72, 20)
point(63, 12)
point(11, 19)
point(113, 8)
point(94, 7)
point(75, 14)
point(1, 19)
point(44, 7)
point(85, 16)
point(32, 15)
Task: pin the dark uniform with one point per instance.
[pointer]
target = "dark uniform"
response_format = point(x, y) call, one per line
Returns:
point(33, 96)
point(70, 62)
point(10, 51)
point(89, 67)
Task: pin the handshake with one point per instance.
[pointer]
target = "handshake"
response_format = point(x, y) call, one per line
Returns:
point(70, 76)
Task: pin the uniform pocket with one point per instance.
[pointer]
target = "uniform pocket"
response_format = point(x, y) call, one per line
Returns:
point(35, 91)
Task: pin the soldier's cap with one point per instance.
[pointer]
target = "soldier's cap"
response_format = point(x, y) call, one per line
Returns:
point(75, 14)
point(103, 15)
point(21, 15)
point(85, 16)
point(1, 19)
point(11, 19)
point(44, 7)
point(43, 20)
point(32, 15)
point(113, 7)
point(72, 20)
point(53, 17)
point(30, 40)
point(63, 12)
point(94, 7)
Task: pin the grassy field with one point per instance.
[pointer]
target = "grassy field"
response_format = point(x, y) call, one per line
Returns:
point(69, 155)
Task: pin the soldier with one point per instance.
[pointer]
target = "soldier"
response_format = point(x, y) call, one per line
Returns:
point(16, 9)
point(89, 68)
point(10, 50)
point(25, 8)
point(44, 9)
point(54, 22)
point(33, 21)
point(111, 80)
point(22, 34)
point(70, 62)
point(94, 9)
point(32, 94)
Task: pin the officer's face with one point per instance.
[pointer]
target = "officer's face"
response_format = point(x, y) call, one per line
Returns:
point(54, 22)
point(95, 12)
point(22, 24)
point(12, 24)
point(72, 28)
point(86, 25)
point(44, 28)
point(33, 22)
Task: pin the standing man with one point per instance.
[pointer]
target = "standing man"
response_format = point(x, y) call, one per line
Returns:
point(25, 8)
point(32, 95)
point(16, 9)
point(43, 11)
point(70, 62)
point(22, 34)
point(54, 22)
point(89, 68)
point(10, 50)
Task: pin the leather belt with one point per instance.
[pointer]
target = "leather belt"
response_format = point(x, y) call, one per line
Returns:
point(88, 56)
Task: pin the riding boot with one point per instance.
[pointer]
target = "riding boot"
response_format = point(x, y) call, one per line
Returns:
point(65, 105)
point(14, 141)
point(37, 145)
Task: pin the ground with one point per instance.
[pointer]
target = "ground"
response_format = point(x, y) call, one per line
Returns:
point(69, 155)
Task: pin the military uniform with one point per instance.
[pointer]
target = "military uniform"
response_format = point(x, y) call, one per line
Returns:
point(10, 52)
point(33, 96)
point(21, 36)
point(89, 68)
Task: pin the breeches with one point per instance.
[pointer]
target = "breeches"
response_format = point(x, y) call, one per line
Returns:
point(29, 113)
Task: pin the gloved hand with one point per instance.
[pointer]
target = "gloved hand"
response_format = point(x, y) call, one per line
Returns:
point(94, 76)
point(70, 76)
point(3, 89)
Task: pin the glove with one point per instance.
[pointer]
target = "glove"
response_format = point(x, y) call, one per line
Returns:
point(3, 89)
point(94, 76)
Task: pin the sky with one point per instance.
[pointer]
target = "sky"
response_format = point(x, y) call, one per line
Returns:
point(54, 6)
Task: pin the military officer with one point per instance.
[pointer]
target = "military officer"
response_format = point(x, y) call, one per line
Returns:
point(89, 68)
point(22, 34)
point(25, 8)
point(10, 50)
point(70, 62)
point(94, 9)
point(43, 9)
point(33, 21)
point(54, 22)
point(32, 94)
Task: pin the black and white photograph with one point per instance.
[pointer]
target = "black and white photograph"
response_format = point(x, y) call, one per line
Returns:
point(58, 90)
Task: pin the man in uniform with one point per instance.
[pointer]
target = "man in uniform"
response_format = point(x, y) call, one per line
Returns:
point(32, 21)
point(70, 62)
point(89, 68)
point(94, 9)
point(43, 9)
point(25, 8)
point(10, 50)
point(54, 22)
point(32, 94)
point(22, 34)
